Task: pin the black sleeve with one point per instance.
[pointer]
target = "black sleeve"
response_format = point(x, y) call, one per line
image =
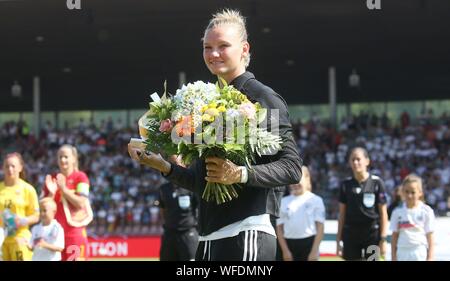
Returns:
point(342, 195)
point(381, 193)
point(161, 197)
point(285, 168)
point(195, 208)
point(184, 177)
point(194, 201)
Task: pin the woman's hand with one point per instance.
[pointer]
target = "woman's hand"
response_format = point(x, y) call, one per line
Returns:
point(222, 171)
point(61, 181)
point(51, 185)
point(151, 160)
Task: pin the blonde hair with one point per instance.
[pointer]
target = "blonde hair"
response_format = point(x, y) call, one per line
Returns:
point(413, 178)
point(48, 200)
point(307, 177)
point(74, 151)
point(234, 17)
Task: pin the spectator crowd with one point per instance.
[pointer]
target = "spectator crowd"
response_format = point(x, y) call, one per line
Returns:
point(124, 197)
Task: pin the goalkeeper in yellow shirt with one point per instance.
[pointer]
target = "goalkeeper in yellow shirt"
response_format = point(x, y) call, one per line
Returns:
point(19, 209)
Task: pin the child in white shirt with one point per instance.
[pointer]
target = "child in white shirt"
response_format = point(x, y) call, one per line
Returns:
point(412, 224)
point(300, 228)
point(47, 237)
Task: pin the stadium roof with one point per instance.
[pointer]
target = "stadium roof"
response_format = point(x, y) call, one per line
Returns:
point(113, 54)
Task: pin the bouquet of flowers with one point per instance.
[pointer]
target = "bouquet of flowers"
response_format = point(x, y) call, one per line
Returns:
point(203, 120)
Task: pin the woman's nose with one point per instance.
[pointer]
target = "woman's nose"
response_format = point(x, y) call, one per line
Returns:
point(215, 53)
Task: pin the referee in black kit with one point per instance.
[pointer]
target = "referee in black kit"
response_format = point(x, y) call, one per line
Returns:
point(179, 210)
point(363, 219)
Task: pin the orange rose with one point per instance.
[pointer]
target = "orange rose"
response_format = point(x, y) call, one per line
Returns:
point(184, 127)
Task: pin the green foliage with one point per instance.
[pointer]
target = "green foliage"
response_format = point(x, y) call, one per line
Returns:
point(203, 112)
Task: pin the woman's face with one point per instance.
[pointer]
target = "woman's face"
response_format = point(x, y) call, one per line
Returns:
point(224, 52)
point(358, 161)
point(66, 160)
point(12, 167)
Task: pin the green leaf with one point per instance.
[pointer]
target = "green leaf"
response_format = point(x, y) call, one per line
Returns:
point(262, 114)
point(233, 147)
point(222, 82)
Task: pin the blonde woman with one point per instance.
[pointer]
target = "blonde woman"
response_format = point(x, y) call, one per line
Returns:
point(239, 230)
point(70, 190)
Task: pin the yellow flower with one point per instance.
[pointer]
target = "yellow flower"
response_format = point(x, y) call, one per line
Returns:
point(212, 112)
point(204, 108)
point(242, 97)
point(207, 118)
point(212, 105)
point(221, 108)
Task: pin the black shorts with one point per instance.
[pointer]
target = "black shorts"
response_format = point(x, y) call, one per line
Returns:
point(250, 245)
point(179, 245)
point(300, 248)
point(361, 242)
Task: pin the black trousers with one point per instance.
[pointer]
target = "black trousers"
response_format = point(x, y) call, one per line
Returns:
point(300, 248)
point(250, 245)
point(178, 245)
point(360, 241)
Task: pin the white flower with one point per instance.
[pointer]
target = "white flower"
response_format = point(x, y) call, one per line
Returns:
point(192, 97)
point(232, 113)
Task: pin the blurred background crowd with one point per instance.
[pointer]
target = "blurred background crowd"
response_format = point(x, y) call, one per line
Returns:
point(124, 196)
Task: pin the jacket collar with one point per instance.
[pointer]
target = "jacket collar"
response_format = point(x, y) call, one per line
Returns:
point(239, 81)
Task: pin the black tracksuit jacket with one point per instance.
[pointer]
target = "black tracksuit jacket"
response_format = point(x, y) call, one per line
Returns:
point(267, 178)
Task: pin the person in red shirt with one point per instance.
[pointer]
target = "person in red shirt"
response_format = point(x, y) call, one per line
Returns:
point(70, 190)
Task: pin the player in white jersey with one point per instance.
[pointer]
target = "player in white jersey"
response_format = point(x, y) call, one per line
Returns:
point(47, 238)
point(300, 226)
point(412, 224)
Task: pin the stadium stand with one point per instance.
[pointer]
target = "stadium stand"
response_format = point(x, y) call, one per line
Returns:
point(125, 197)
